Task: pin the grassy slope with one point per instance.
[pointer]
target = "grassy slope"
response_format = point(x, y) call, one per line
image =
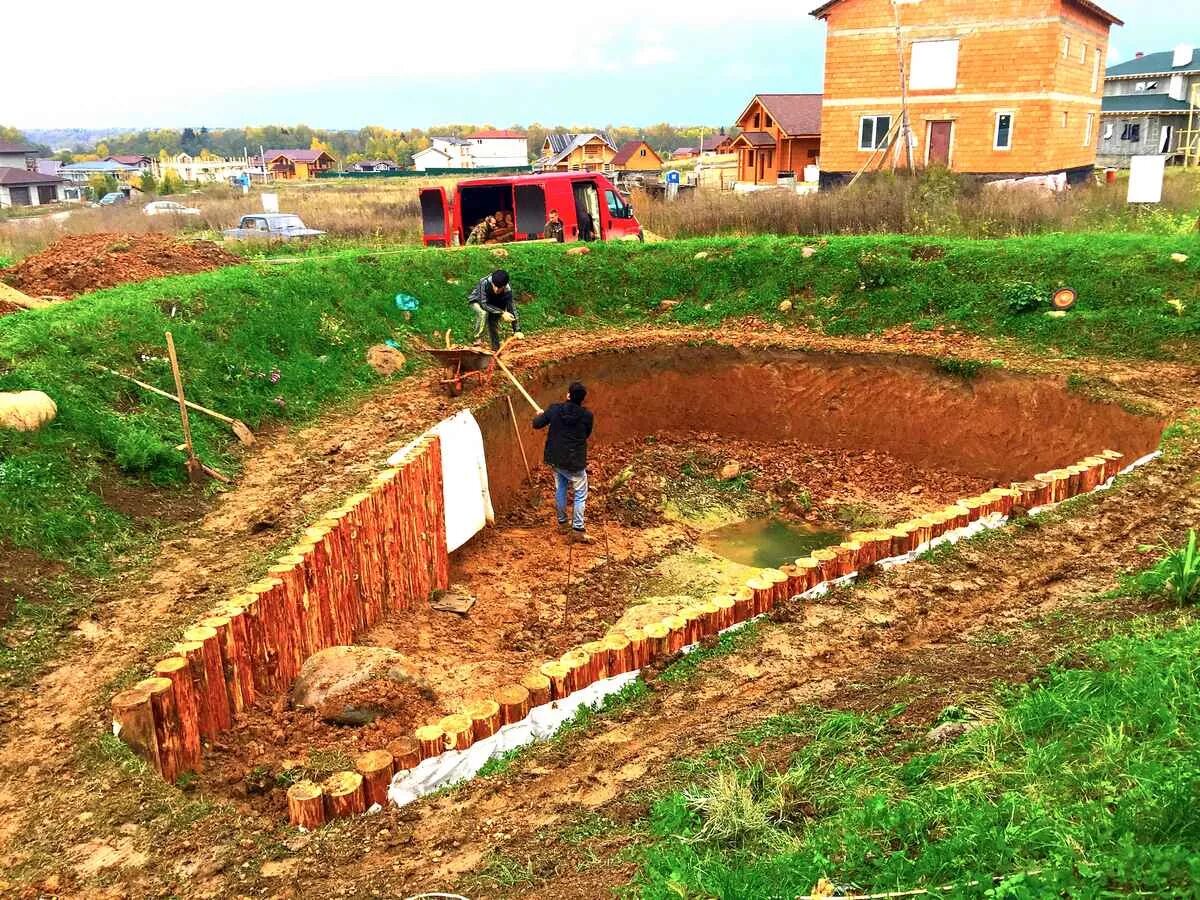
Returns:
point(1089, 776)
point(312, 320)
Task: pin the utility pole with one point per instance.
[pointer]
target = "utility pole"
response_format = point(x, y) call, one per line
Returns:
point(905, 125)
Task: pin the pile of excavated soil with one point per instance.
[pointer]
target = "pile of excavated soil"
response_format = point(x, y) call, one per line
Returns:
point(80, 263)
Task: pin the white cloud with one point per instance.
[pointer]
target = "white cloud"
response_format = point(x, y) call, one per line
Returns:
point(654, 55)
point(194, 54)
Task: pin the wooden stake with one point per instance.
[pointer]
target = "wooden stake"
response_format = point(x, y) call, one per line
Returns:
point(175, 669)
point(166, 726)
point(406, 753)
point(344, 795)
point(216, 692)
point(538, 686)
point(559, 676)
point(657, 641)
point(306, 805)
point(485, 717)
point(514, 703)
point(375, 767)
point(578, 663)
point(431, 740)
point(133, 722)
point(194, 468)
point(639, 647)
point(457, 729)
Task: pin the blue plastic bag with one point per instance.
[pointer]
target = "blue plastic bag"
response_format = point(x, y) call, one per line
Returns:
point(407, 303)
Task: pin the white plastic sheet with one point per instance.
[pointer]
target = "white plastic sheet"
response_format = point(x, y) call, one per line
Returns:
point(543, 721)
point(468, 502)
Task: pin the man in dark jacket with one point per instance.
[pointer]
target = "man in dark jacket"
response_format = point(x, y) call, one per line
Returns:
point(491, 301)
point(566, 452)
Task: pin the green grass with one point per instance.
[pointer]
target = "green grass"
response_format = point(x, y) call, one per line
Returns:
point(688, 666)
point(34, 631)
point(1089, 776)
point(309, 323)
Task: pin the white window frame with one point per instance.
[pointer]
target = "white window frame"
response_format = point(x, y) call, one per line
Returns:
point(1083, 53)
point(1012, 124)
point(925, 61)
point(874, 131)
point(1095, 70)
point(1066, 118)
point(1091, 126)
point(1066, 46)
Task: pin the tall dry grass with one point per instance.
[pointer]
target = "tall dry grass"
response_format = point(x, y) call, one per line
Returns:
point(936, 204)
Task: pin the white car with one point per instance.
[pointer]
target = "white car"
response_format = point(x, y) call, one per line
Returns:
point(169, 208)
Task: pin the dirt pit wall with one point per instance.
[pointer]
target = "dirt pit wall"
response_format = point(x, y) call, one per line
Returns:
point(998, 425)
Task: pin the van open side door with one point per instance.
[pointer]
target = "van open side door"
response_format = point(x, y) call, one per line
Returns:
point(435, 218)
point(529, 201)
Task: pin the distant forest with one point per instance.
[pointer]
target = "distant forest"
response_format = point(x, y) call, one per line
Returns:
point(372, 142)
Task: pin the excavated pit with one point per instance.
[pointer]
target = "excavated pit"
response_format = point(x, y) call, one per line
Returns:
point(852, 435)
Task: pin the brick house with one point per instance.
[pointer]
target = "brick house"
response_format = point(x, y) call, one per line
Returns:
point(1006, 88)
point(779, 133)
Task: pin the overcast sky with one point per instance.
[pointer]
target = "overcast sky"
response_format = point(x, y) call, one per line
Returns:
point(399, 65)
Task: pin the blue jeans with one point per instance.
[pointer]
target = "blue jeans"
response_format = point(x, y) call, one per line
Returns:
point(578, 484)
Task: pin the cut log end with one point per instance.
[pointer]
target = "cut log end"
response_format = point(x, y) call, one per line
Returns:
point(306, 805)
point(375, 767)
point(344, 795)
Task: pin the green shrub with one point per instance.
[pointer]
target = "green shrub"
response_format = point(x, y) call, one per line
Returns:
point(1177, 575)
point(140, 450)
point(1022, 297)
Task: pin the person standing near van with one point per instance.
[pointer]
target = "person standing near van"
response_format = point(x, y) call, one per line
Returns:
point(570, 426)
point(554, 228)
point(492, 300)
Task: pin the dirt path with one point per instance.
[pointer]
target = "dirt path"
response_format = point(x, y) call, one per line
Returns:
point(56, 802)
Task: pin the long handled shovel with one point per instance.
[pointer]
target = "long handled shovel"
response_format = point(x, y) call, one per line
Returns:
point(239, 428)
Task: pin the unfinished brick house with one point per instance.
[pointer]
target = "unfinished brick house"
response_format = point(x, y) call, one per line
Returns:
point(1001, 88)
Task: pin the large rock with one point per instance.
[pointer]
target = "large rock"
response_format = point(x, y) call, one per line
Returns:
point(26, 410)
point(337, 683)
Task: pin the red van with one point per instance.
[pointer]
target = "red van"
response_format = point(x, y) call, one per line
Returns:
point(577, 196)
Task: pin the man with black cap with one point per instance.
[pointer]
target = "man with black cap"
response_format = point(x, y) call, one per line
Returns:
point(566, 453)
point(491, 301)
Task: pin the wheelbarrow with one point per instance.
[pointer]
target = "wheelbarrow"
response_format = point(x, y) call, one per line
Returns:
point(466, 363)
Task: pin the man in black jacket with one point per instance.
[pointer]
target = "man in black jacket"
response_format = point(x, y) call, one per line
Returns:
point(566, 452)
point(491, 301)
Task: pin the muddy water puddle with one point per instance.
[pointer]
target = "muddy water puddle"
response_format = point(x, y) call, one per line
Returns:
point(768, 542)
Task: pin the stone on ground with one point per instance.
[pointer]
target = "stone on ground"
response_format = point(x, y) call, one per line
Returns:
point(26, 410)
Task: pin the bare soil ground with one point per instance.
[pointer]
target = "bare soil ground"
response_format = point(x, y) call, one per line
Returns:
point(75, 821)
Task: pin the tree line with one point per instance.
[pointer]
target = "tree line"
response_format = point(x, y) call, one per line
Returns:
point(371, 142)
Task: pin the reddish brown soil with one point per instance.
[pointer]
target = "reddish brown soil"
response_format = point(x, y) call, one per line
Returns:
point(80, 263)
point(73, 822)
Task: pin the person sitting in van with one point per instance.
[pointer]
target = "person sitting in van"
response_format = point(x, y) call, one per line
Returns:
point(482, 232)
point(505, 228)
point(587, 226)
point(554, 229)
point(492, 300)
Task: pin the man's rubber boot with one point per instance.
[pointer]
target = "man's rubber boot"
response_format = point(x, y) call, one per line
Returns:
point(581, 537)
point(564, 527)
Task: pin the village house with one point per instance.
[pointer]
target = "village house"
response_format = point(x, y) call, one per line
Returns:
point(636, 156)
point(480, 150)
point(591, 151)
point(18, 156)
point(1150, 104)
point(294, 165)
point(21, 187)
point(780, 135)
point(81, 171)
point(205, 169)
point(717, 144)
point(143, 163)
point(993, 89)
point(685, 153)
point(373, 165)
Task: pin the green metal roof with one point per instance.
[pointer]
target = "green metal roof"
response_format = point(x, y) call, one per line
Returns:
point(1153, 64)
point(1142, 103)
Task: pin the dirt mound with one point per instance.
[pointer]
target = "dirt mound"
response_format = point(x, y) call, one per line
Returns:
point(86, 262)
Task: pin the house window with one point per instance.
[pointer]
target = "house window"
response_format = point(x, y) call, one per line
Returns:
point(1083, 52)
point(873, 131)
point(934, 65)
point(756, 120)
point(1066, 119)
point(767, 121)
point(642, 152)
point(1143, 86)
point(1066, 46)
point(1004, 127)
point(1132, 132)
point(1091, 126)
point(1095, 69)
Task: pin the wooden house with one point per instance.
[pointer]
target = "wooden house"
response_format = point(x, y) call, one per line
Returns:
point(717, 144)
point(295, 165)
point(588, 152)
point(779, 133)
point(1006, 88)
point(636, 156)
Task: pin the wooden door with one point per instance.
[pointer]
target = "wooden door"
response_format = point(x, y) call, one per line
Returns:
point(939, 143)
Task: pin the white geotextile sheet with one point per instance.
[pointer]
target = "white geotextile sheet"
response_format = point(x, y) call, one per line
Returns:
point(467, 500)
point(543, 721)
